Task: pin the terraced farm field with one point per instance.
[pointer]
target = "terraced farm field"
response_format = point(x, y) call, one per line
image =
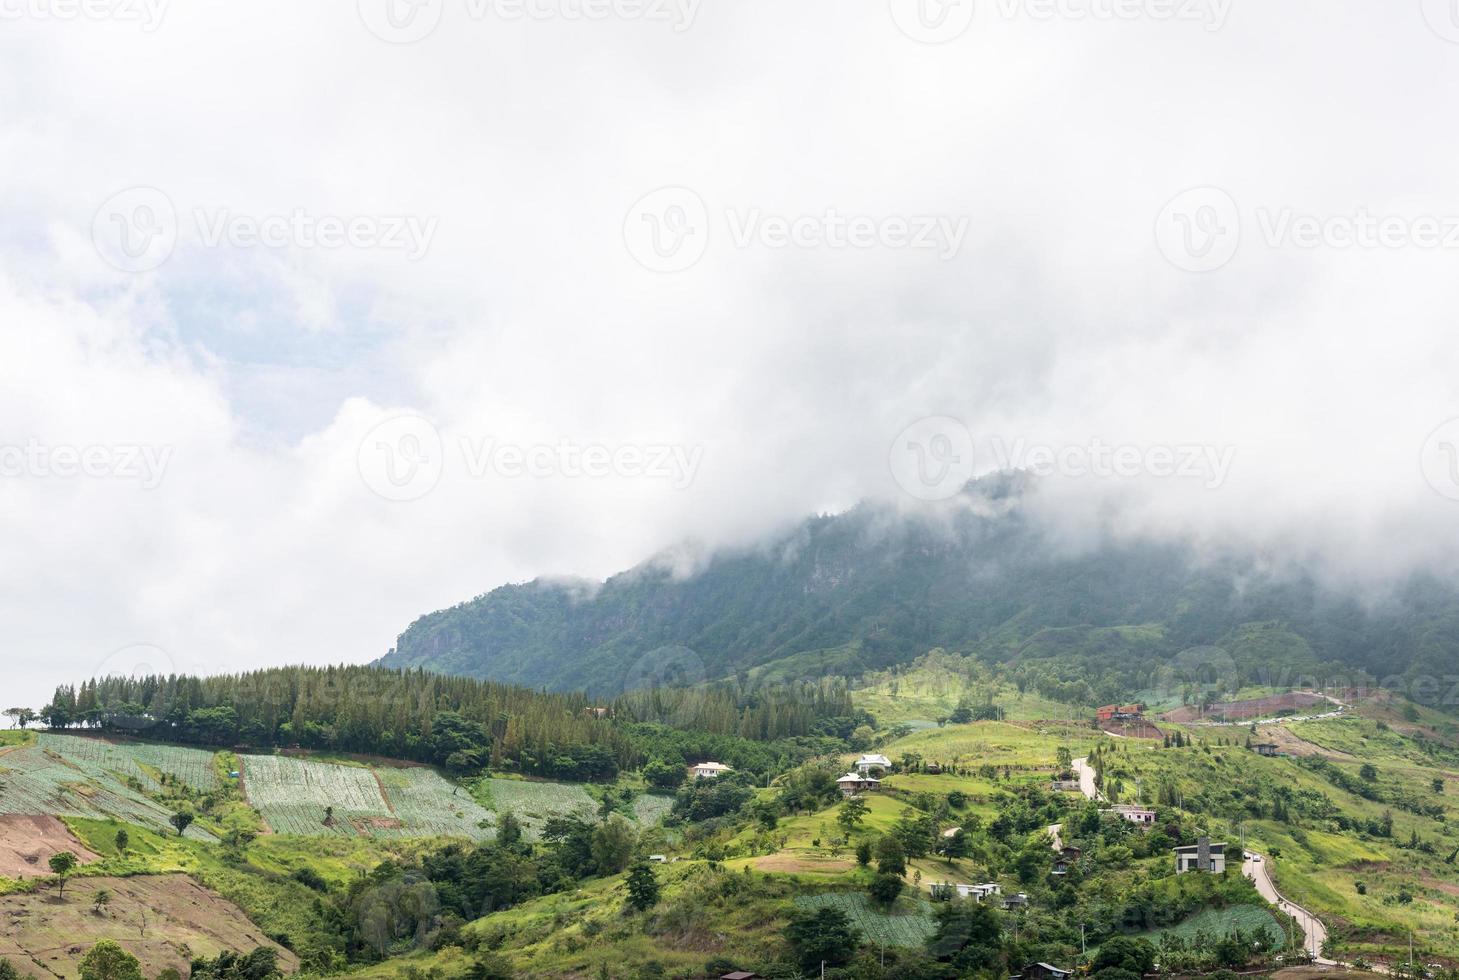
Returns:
point(649, 808)
point(143, 761)
point(533, 802)
point(428, 804)
point(910, 924)
point(1219, 922)
point(293, 794)
point(37, 780)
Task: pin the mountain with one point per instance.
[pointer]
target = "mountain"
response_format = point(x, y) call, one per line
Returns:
point(873, 587)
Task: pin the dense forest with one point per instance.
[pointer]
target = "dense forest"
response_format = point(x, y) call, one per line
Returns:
point(871, 588)
point(464, 724)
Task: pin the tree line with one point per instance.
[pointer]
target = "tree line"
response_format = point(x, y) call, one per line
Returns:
point(463, 724)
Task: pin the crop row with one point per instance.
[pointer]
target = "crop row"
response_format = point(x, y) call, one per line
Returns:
point(427, 804)
point(41, 781)
point(141, 761)
point(910, 929)
point(297, 796)
point(532, 802)
point(650, 808)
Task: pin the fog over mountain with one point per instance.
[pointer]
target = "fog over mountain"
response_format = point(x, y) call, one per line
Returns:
point(286, 445)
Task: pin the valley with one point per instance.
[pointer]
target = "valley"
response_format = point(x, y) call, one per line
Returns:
point(1368, 846)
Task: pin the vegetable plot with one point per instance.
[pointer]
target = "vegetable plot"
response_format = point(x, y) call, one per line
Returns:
point(141, 761)
point(41, 781)
point(426, 804)
point(295, 796)
point(533, 802)
point(902, 927)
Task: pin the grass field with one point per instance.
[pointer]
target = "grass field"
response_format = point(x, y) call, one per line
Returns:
point(585, 932)
point(933, 687)
point(1018, 745)
point(908, 923)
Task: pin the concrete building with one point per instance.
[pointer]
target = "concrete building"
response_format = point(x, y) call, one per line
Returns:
point(1138, 815)
point(1201, 856)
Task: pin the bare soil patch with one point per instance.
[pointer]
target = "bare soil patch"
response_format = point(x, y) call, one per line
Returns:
point(163, 920)
point(27, 843)
point(792, 864)
point(1132, 729)
point(1292, 744)
point(1242, 710)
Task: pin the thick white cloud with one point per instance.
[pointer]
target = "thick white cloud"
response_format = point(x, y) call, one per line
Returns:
point(522, 145)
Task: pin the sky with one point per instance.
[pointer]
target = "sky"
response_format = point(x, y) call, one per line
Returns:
point(317, 317)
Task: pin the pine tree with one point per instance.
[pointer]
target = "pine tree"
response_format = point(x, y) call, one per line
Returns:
point(643, 887)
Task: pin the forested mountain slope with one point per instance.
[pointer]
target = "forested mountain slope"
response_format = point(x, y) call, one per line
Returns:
point(872, 587)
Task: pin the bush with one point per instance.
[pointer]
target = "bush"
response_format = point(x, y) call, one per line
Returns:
point(310, 878)
point(885, 888)
point(1125, 953)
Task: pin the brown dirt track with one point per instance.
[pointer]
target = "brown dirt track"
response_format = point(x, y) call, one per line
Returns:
point(27, 843)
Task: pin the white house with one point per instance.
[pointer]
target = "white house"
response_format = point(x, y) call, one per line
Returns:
point(708, 770)
point(853, 783)
point(1138, 815)
point(869, 762)
point(1201, 856)
point(976, 892)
